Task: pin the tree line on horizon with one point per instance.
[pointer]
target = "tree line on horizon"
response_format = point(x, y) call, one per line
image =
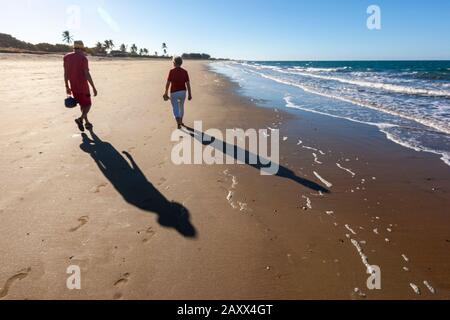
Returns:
point(106, 48)
point(10, 44)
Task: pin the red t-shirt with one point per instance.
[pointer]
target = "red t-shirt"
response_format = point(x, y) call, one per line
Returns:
point(178, 78)
point(76, 64)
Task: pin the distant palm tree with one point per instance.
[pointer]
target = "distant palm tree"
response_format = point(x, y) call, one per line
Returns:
point(99, 48)
point(106, 44)
point(145, 50)
point(164, 47)
point(156, 53)
point(67, 37)
point(134, 49)
point(123, 48)
point(109, 45)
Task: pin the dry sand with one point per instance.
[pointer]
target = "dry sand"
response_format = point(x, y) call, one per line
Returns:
point(66, 200)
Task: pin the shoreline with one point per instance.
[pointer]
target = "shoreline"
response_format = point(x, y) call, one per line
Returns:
point(426, 176)
point(400, 122)
point(273, 249)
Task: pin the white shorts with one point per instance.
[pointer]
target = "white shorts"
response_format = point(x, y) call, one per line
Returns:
point(178, 98)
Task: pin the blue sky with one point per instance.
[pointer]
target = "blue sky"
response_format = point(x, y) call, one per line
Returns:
point(243, 29)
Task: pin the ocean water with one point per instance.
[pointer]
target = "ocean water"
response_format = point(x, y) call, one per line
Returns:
point(409, 101)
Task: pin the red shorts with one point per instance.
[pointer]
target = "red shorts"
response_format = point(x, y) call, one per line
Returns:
point(83, 99)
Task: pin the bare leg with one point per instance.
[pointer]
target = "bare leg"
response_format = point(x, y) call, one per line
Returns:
point(84, 113)
point(84, 116)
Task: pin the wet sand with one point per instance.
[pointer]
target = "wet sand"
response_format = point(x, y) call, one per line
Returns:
point(141, 227)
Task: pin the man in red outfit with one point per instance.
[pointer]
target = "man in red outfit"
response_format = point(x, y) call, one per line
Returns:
point(76, 73)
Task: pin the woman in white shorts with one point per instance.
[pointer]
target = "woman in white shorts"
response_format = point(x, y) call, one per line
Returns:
point(179, 84)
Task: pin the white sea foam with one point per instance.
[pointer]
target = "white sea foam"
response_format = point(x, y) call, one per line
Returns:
point(230, 197)
point(242, 206)
point(328, 184)
point(308, 202)
point(429, 287)
point(316, 159)
point(321, 69)
point(309, 148)
point(364, 258)
point(379, 86)
point(435, 124)
point(426, 122)
point(350, 229)
point(359, 293)
point(235, 183)
point(415, 288)
point(445, 156)
point(345, 169)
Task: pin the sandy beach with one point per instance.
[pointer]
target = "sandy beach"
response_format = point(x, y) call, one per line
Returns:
point(140, 227)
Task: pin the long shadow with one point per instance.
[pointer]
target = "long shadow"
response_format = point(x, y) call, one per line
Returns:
point(283, 172)
point(128, 179)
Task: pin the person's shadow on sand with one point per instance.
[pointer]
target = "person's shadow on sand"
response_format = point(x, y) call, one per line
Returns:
point(283, 172)
point(134, 187)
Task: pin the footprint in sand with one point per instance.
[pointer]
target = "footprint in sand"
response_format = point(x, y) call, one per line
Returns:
point(120, 284)
point(18, 276)
point(147, 234)
point(162, 181)
point(83, 220)
point(97, 188)
point(161, 164)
